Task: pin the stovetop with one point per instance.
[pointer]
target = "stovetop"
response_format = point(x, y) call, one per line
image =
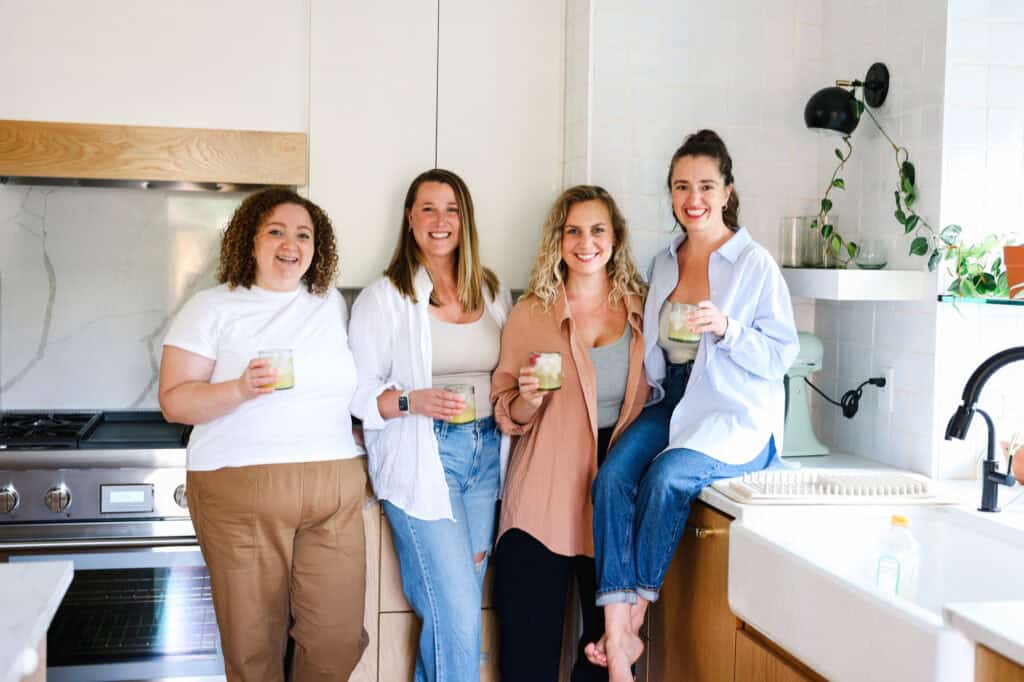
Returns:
point(41, 430)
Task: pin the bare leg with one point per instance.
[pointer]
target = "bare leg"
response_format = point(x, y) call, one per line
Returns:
point(620, 618)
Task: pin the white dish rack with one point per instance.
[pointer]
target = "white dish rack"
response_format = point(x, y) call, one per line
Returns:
point(831, 486)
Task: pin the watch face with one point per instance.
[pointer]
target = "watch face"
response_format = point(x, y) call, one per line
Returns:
point(403, 403)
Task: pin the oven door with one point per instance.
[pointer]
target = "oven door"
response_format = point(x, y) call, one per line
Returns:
point(131, 613)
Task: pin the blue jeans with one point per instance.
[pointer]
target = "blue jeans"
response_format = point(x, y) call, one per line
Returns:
point(642, 498)
point(439, 576)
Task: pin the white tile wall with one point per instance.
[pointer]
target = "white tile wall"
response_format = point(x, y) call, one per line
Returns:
point(981, 191)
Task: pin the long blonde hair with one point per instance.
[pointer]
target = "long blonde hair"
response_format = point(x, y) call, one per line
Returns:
point(550, 271)
point(470, 276)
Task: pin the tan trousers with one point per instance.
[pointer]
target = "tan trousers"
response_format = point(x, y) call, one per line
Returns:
point(283, 544)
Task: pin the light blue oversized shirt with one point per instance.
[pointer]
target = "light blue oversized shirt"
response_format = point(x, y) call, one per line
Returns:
point(735, 400)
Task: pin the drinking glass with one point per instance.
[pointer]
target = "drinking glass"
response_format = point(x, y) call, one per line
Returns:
point(547, 367)
point(872, 254)
point(281, 360)
point(468, 394)
point(678, 327)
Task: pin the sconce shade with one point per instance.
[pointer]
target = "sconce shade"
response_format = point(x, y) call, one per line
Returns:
point(831, 109)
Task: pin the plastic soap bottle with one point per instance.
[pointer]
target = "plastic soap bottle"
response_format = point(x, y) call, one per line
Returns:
point(899, 559)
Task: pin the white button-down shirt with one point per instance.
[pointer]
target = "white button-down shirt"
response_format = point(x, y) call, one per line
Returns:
point(735, 400)
point(391, 343)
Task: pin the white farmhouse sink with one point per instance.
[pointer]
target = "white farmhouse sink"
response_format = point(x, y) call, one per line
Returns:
point(804, 577)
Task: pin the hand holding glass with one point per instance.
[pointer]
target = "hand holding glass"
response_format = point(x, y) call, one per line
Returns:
point(281, 360)
point(678, 327)
point(547, 367)
point(468, 395)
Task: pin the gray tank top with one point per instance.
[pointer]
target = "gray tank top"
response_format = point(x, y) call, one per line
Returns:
point(611, 370)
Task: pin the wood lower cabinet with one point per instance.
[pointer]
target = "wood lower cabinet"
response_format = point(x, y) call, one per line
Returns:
point(992, 667)
point(692, 636)
point(692, 633)
point(399, 637)
point(757, 660)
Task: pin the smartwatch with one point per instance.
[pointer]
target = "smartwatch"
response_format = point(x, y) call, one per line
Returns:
point(403, 403)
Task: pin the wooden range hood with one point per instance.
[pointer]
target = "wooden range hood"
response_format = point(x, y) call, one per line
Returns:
point(80, 154)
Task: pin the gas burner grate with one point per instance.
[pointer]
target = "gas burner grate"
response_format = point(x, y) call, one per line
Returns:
point(44, 429)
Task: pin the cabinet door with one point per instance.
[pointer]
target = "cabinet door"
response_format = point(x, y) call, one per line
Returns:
point(366, 671)
point(500, 101)
point(992, 667)
point(372, 106)
point(693, 633)
point(757, 663)
point(399, 638)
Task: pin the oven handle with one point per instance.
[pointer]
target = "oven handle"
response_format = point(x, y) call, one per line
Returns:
point(100, 543)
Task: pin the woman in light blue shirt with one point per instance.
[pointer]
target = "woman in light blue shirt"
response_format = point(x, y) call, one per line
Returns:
point(717, 402)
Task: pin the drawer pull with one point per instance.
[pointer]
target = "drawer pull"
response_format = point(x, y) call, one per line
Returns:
point(705, 533)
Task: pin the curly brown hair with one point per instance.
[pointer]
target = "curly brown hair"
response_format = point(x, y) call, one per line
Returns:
point(237, 258)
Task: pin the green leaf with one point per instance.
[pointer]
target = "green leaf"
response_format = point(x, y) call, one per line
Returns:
point(838, 182)
point(911, 198)
point(826, 230)
point(950, 234)
point(919, 246)
point(934, 260)
point(836, 243)
point(852, 249)
point(911, 223)
point(840, 155)
point(858, 106)
point(906, 186)
point(826, 205)
point(908, 171)
point(814, 224)
point(899, 204)
point(901, 216)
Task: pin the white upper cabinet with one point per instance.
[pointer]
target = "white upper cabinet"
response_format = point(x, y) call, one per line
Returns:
point(389, 99)
point(500, 87)
point(373, 75)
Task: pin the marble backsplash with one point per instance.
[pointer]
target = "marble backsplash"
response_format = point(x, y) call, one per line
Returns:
point(89, 280)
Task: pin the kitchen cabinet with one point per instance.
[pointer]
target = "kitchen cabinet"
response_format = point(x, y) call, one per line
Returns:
point(757, 660)
point(403, 86)
point(691, 634)
point(992, 667)
point(691, 630)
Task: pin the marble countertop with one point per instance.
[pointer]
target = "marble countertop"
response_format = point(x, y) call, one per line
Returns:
point(997, 625)
point(30, 593)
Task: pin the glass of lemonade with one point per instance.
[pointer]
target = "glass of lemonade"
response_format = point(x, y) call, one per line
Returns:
point(281, 360)
point(468, 394)
point(678, 327)
point(547, 367)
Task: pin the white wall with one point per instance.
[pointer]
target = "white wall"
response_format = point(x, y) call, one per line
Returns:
point(983, 158)
point(862, 338)
point(228, 64)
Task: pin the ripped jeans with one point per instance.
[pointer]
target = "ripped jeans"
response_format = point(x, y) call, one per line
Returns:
point(440, 578)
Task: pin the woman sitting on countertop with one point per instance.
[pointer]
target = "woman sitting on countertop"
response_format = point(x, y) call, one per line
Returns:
point(274, 487)
point(584, 302)
point(718, 396)
point(433, 323)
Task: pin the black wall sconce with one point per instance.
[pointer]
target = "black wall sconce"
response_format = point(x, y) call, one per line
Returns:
point(835, 108)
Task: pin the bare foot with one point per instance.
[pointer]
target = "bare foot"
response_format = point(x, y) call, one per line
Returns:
point(622, 652)
point(595, 652)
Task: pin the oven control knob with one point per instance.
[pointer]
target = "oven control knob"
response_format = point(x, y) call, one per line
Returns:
point(181, 496)
point(58, 498)
point(8, 499)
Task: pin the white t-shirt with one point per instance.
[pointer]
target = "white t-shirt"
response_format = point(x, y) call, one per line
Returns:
point(308, 423)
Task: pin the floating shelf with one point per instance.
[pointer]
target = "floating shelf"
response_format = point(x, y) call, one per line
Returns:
point(950, 298)
point(859, 285)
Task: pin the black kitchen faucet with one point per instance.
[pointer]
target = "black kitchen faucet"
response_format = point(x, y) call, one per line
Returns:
point(961, 421)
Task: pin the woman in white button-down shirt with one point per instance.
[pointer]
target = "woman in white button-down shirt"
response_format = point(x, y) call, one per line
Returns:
point(718, 402)
point(434, 319)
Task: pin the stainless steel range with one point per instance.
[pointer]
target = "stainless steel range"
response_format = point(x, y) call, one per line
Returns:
point(106, 490)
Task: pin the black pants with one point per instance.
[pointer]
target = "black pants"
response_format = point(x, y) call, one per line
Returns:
point(531, 584)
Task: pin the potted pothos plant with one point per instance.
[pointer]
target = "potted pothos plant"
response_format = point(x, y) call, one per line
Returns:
point(973, 268)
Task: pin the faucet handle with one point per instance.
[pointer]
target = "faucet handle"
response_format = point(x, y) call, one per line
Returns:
point(1004, 478)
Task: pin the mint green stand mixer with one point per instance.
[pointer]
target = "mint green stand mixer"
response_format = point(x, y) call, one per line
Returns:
point(799, 439)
